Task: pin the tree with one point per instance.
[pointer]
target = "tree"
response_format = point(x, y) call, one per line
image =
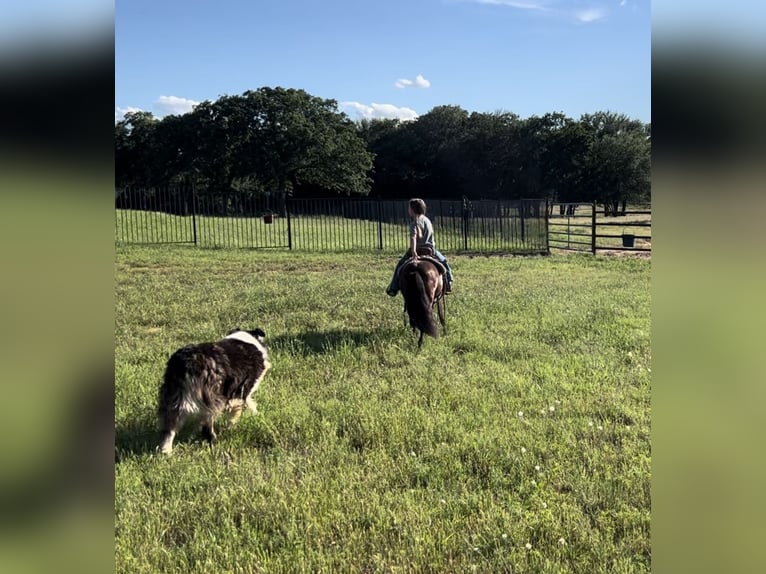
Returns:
point(269, 139)
point(286, 140)
point(489, 155)
point(618, 160)
point(564, 160)
point(134, 147)
point(294, 139)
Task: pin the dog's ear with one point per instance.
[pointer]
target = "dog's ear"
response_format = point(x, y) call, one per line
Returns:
point(258, 334)
point(236, 330)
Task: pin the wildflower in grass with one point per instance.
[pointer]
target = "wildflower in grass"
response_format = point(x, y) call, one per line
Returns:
point(523, 450)
point(558, 402)
point(505, 536)
point(475, 549)
point(648, 370)
point(412, 453)
point(562, 541)
point(590, 423)
point(528, 546)
point(443, 501)
point(599, 427)
point(534, 482)
point(545, 505)
point(551, 408)
point(537, 467)
point(520, 414)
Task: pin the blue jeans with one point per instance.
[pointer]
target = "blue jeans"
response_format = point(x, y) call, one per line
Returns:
point(394, 285)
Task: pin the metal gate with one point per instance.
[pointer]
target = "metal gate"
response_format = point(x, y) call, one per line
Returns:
point(570, 226)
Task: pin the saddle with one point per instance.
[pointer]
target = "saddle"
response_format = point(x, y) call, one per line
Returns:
point(428, 254)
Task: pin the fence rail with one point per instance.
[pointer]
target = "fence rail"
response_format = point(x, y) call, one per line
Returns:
point(182, 215)
point(581, 220)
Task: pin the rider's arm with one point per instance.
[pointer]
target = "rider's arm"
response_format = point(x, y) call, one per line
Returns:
point(414, 245)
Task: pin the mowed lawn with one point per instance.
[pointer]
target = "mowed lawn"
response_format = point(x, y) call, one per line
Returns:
point(518, 442)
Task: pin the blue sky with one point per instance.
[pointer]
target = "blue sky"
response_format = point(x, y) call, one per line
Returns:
point(397, 58)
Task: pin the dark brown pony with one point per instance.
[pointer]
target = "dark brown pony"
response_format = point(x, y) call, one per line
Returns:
point(422, 286)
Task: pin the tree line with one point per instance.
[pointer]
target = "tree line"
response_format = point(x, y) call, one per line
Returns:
point(288, 141)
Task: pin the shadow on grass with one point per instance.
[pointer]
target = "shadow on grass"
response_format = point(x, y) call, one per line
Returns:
point(318, 342)
point(136, 438)
point(142, 437)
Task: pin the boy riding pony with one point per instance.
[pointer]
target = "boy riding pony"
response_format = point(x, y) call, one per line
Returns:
point(421, 242)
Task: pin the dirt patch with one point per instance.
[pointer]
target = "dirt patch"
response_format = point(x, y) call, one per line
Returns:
point(621, 253)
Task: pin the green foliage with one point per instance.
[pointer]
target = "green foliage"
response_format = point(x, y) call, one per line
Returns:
point(134, 146)
point(447, 153)
point(527, 423)
point(278, 139)
point(618, 159)
point(270, 139)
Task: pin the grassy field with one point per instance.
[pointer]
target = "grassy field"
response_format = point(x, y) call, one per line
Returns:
point(518, 442)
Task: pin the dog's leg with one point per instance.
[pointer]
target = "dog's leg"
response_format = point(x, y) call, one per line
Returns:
point(170, 424)
point(249, 401)
point(208, 432)
point(235, 411)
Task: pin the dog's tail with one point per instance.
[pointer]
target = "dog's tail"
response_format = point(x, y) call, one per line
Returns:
point(182, 386)
point(418, 307)
point(172, 390)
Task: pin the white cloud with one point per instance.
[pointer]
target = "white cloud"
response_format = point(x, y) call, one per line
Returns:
point(175, 105)
point(554, 8)
point(590, 15)
point(520, 4)
point(119, 113)
point(380, 111)
point(418, 82)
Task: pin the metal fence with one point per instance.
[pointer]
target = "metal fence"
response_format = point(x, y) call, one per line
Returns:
point(581, 227)
point(235, 219)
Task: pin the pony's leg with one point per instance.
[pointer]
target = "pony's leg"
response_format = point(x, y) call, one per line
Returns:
point(420, 340)
point(441, 309)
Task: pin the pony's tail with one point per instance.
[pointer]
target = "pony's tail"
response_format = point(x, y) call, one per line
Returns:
point(420, 312)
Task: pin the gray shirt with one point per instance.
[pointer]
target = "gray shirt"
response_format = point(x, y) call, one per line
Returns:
point(424, 230)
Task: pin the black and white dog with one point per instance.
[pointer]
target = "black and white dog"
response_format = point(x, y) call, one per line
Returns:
point(209, 378)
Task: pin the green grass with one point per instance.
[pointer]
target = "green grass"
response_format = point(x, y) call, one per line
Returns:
point(368, 457)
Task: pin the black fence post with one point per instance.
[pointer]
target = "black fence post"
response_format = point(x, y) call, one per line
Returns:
point(522, 209)
point(547, 235)
point(194, 213)
point(465, 223)
point(289, 224)
point(380, 224)
point(593, 229)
